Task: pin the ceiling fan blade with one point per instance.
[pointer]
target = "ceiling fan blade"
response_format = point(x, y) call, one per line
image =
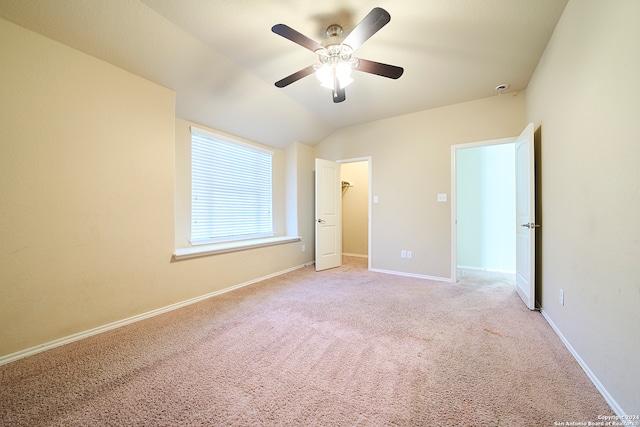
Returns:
point(384, 70)
point(295, 76)
point(339, 95)
point(296, 37)
point(371, 23)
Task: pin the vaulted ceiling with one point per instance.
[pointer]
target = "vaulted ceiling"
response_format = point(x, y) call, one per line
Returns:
point(222, 60)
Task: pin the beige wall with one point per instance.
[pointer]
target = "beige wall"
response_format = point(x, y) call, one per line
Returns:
point(87, 198)
point(355, 208)
point(585, 96)
point(411, 164)
point(305, 162)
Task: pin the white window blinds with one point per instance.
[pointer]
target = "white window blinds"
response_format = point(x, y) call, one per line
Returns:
point(230, 189)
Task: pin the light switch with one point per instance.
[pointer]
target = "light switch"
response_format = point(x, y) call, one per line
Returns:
point(442, 197)
point(375, 199)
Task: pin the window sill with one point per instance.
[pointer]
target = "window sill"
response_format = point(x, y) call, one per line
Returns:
point(221, 248)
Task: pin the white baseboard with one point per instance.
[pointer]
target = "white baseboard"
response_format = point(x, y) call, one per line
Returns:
point(417, 276)
point(603, 391)
point(491, 270)
point(75, 337)
point(355, 255)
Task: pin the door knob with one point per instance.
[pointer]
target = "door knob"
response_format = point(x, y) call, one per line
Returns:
point(321, 221)
point(530, 225)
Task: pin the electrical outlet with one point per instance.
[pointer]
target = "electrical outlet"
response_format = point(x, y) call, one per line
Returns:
point(403, 254)
point(303, 248)
point(561, 297)
point(409, 254)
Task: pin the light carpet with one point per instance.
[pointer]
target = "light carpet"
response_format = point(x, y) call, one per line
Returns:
point(343, 347)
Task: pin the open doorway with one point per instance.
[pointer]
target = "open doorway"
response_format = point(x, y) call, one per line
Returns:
point(483, 208)
point(356, 178)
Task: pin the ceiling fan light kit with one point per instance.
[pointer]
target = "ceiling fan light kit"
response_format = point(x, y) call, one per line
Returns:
point(326, 73)
point(335, 54)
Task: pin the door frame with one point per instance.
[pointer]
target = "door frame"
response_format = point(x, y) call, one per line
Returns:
point(369, 199)
point(454, 195)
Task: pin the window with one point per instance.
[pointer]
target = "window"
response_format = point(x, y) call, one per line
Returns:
point(230, 189)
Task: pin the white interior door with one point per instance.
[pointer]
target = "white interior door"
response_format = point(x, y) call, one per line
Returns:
point(525, 218)
point(328, 215)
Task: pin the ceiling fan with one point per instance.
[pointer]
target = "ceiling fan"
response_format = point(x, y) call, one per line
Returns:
point(335, 54)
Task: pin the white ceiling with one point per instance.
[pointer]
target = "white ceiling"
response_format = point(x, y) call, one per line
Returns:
point(222, 60)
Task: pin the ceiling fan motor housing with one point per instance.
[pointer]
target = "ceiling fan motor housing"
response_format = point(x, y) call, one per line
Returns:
point(334, 30)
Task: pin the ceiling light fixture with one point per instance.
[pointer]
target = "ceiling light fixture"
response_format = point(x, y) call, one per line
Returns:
point(335, 66)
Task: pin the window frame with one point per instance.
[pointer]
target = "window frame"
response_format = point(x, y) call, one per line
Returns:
point(284, 218)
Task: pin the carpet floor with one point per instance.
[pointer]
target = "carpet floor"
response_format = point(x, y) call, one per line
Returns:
point(343, 347)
